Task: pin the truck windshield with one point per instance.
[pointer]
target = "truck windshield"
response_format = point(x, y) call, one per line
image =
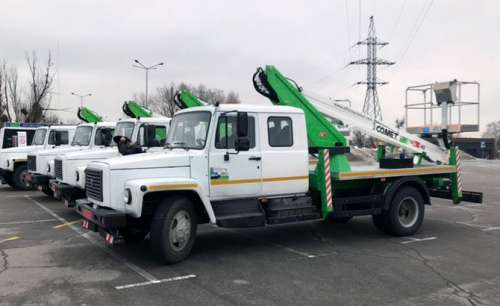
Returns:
point(189, 130)
point(39, 137)
point(82, 136)
point(124, 129)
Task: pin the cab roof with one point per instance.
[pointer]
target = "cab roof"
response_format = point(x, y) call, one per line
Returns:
point(62, 127)
point(148, 119)
point(250, 108)
point(111, 124)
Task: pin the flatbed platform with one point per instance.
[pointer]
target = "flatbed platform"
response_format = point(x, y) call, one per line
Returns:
point(373, 171)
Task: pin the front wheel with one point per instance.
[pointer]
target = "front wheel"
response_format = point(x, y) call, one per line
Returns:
point(405, 215)
point(173, 229)
point(19, 178)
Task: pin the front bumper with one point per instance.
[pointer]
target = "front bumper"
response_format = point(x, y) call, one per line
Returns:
point(106, 222)
point(107, 219)
point(39, 181)
point(68, 193)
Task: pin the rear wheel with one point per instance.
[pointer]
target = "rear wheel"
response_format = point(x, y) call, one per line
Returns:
point(19, 177)
point(405, 215)
point(173, 229)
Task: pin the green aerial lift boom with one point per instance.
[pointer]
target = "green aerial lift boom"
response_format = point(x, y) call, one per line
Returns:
point(324, 138)
point(134, 110)
point(87, 115)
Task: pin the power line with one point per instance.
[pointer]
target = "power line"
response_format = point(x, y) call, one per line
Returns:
point(398, 19)
point(348, 28)
point(418, 24)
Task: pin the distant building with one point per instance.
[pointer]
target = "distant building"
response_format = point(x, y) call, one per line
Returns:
point(478, 147)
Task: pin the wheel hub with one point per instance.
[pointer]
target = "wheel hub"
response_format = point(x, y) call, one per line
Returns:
point(180, 230)
point(408, 212)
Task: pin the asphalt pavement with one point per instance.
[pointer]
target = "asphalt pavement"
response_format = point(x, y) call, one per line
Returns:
point(47, 259)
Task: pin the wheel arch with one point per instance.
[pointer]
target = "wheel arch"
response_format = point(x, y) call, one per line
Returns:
point(396, 185)
point(152, 200)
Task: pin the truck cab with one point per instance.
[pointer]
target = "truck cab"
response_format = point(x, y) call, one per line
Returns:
point(41, 163)
point(69, 168)
point(13, 161)
point(220, 169)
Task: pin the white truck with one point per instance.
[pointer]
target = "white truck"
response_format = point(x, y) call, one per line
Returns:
point(248, 165)
point(86, 136)
point(69, 168)
point(17, 134)
point(13, 161)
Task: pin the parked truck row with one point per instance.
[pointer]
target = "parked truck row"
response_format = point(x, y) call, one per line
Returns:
point(235, 166)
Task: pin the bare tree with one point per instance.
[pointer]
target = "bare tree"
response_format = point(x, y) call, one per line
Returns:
point(163, 101)
point(232, 98)
point(40, 84)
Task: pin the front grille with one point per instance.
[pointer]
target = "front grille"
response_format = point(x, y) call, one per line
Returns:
point(32, 162)
point(58, 168)
point(93, 184)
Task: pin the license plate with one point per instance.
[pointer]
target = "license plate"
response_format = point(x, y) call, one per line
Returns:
point(87, 214)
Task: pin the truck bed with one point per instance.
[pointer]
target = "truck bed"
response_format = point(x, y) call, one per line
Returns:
point(374, 171)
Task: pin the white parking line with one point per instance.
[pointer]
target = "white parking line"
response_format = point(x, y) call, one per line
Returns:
point(492, 228)
point(165, 280)
point(412, 240)
point(27, 222)
point(149, 277)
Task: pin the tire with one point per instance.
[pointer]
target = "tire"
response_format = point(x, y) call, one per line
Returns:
point(168, 240)
point(18, 178)
point(340, 220)
point(406, 213)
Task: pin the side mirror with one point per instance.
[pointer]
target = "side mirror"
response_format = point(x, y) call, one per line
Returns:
point(242, 144)
point(242, 125)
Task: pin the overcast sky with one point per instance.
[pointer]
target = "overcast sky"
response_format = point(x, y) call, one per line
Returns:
point(220, 44)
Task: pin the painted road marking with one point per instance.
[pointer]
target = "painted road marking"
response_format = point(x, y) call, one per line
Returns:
point(27, 221)
point(149, 277)
point(67, 224)
point(158, 281)
point(492, 228)
point(412, 240)
point(10, 239)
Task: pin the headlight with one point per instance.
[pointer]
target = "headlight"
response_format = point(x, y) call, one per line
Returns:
point(127, 196)
point(77, 175)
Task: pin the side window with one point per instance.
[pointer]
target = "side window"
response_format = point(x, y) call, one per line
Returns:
point(221, 136)
point(156, 134)
point(63, 136)
point(104, 136)
point(280, 131)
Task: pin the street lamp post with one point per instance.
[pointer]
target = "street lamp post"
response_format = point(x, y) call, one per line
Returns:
point(146, 68)
point(81, 97)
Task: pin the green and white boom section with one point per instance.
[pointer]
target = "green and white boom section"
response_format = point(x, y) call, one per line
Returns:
point(93, 133)
point(242, 165)
point(13, 161)
point(281, 91)
point(70, 167)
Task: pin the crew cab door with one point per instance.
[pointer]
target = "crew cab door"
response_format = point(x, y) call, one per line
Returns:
point(234, 174)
